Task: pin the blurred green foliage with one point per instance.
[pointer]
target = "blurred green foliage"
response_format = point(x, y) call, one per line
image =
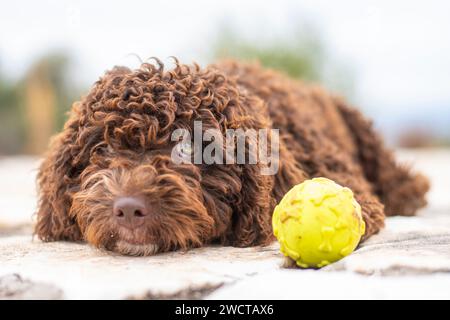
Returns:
point(11, 123)
point(302, 55)
point(302, 58)
point(52, 69)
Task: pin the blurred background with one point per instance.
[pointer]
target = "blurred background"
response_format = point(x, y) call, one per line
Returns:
point(389, 58)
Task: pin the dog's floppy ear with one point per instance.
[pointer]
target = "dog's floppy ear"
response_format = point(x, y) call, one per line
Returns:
point(252, 213)
point(57, 178)
point(253, 205)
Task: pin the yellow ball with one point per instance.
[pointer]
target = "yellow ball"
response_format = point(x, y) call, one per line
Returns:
point(318, 222)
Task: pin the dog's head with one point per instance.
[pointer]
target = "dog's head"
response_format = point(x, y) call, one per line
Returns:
point(110, 178)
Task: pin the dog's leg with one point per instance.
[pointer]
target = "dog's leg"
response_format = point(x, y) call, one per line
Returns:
point(329, 161)
point(252, 213)
point(341, 168)
point(401, 191)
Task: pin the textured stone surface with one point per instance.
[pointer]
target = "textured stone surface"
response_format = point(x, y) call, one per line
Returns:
point(84, 272)
point(410, 258)
point(14, 287)
point(407, 246)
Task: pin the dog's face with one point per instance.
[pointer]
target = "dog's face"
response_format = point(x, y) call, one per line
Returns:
point(110, 177)
point(125, 193)
point(140, 205)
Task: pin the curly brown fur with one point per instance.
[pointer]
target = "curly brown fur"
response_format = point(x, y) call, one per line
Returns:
point(117, 143)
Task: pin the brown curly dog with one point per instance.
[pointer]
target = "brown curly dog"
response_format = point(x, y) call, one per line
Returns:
point(109, 178)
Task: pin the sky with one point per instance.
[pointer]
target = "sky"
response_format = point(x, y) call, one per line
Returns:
point(399, 51)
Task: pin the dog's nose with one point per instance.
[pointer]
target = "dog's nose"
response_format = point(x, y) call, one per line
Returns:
point(130, 212)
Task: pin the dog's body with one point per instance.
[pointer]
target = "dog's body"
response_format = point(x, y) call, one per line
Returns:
point(109, 178)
